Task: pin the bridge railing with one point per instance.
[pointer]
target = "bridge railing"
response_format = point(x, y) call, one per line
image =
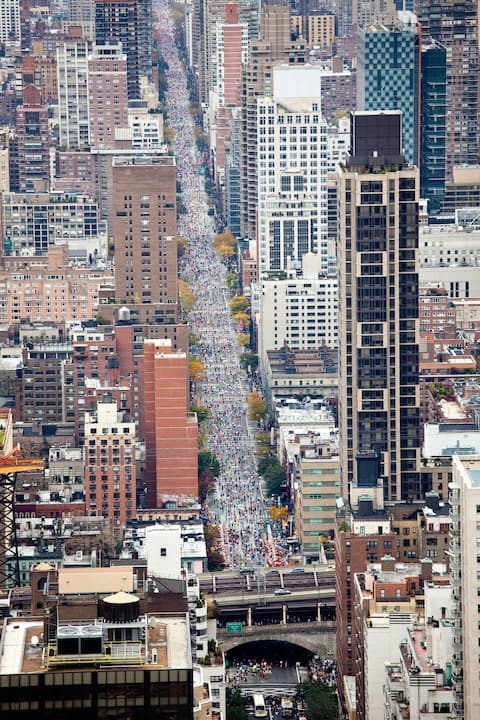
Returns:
point(278, 629)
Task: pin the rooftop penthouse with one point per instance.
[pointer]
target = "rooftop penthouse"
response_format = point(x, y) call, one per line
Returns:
point(89, 649)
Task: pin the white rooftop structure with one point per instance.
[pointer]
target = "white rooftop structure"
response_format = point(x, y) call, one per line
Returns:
point(443, 440)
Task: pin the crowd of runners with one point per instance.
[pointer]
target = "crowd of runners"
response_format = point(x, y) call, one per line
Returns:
point(237, 507)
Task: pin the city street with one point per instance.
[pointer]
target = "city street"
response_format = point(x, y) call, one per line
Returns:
point(238, 507)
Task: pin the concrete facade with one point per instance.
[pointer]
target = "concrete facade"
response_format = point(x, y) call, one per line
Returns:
point(464, 542)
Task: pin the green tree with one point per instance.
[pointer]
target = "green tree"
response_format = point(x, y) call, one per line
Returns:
point(192, 339)
point(265, 462)
point(232, 282)
point(236, 705)
point(273, 473)
point(341, 113)
point(274, 479)
point(321, 701)
point(249, 360)
point(208, 461)
point(201, 412)
point(211, 534)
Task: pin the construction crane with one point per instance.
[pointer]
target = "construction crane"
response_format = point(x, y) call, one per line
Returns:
point(10, 465)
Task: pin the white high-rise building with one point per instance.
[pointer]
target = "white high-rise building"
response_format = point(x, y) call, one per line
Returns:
point(291, 170)
point(301, 310)
point(73, 107)
point(10, 22)
point(338, 143)
point(465, 580)
point(146, 128)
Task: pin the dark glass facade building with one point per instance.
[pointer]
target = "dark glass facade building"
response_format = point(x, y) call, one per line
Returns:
point(98, 694)
point(454, 24)
point(378, 310)
point(388, 76)
point(433, 118)
point(122, 20)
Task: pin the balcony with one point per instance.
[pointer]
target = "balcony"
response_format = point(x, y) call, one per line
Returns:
point(112, 653)
point(395, 686)
point(401, 710)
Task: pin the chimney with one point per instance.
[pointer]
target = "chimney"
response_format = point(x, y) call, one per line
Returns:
point(432, 500)
point(426, 572)
point(388, 563)
point(337, 64)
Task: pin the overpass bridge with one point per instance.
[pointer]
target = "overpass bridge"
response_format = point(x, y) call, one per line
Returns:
point(316, 637)
point(294, 605)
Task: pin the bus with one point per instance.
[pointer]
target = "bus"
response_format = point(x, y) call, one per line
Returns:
point(259, 709)
point(287, 707)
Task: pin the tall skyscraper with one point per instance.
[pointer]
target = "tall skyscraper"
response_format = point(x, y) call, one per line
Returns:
point(72, 83)
point(145, 35)
point(388, 75)
point(4, 161)
point(231, 54)
point(118, 21)
point(33, 140)
point(144, 202)
point(10, 22)
point(291, 170)
point(432, 124)
point(454, 23)
point(274, 44)
point(107, 94)
point(232, 175)
point(378, 311)
point(219, 43)
point(464, 544)
point(171, 432)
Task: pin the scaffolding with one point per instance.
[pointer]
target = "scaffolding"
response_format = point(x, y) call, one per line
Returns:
point(10, 465)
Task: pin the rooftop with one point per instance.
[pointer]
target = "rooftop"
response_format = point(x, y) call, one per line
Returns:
point(467, 470)
point(111, 579)
point(161, 641)
point(475, 475)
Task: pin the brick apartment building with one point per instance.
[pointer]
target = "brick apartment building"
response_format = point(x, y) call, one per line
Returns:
point(110, 471)
point(144, 200)
point(363, 538)
point(171, 441)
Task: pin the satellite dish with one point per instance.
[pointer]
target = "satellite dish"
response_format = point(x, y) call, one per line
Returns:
point(34, 641)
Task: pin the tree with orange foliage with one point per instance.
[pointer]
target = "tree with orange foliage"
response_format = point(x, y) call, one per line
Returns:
point(197, 370)
point(187, 298)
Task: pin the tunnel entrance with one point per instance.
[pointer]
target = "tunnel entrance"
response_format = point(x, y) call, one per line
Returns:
point(271, 651)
